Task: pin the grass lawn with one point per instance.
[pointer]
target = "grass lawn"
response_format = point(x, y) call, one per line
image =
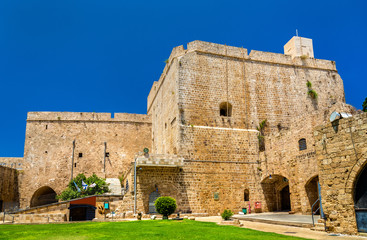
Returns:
point(157, 229)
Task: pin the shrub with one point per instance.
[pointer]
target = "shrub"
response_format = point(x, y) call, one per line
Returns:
point(227, 214)
point(165, 206)
point(312, 93)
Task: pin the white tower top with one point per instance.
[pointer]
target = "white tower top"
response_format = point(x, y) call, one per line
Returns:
point(299, 46)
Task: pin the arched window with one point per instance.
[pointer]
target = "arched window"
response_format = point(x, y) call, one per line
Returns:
point(225, 109)
point(302, 144)
point(246, 195)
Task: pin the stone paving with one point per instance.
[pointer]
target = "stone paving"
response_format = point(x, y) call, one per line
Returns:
point(285, 230)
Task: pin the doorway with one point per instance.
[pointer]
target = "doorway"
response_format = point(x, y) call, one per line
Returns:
point(152, 197)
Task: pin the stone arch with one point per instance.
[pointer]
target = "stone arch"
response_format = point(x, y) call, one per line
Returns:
point(276, 192)
point(357, 168)
point(42, 196)
point(312, 193)
point(351, 182)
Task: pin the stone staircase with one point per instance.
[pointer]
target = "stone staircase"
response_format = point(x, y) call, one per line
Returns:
point(319, 225)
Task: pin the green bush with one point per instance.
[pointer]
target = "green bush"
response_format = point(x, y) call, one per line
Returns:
point(165, 206)
point(227, 214)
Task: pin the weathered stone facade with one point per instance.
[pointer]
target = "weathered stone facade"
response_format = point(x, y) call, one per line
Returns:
point(102, 145)
point(202, 128)
point(222, 152)
point(341, 150)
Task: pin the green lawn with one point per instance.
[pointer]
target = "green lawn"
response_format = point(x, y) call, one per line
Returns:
point(157, 229)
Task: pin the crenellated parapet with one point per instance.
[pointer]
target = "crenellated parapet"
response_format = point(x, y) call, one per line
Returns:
point(87, 116)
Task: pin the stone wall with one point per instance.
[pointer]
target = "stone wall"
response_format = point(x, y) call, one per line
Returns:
point(9, 195)
point(257, 86)
point(283, 157)
point(341, 151)
point(49, 148)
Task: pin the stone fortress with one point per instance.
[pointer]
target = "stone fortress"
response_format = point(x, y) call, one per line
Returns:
point(225, 129)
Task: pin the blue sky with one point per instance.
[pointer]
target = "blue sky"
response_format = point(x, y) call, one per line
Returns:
point(103, 56)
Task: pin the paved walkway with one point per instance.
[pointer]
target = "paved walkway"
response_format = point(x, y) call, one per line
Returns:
point(282, 218)
point(285, 230)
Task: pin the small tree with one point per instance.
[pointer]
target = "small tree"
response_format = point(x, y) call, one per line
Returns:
point(165, 206)
point(364, 105)
point(227, 214)
point(71, 192)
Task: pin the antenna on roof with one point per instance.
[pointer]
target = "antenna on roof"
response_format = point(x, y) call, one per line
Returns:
point(297, 32)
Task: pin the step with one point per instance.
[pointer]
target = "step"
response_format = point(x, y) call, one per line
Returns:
point(318, 228)
point(321, 220)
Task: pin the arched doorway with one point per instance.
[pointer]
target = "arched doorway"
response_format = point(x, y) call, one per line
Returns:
point(152, 197)
point(276, 193)
point(312, 192)
point(360, 200)
point(44, 195)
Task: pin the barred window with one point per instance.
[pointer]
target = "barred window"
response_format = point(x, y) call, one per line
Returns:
point(302, 144)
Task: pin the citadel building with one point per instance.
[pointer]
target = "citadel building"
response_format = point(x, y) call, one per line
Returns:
point(225, 129)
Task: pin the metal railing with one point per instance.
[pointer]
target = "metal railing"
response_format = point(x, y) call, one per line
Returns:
point(313, 212)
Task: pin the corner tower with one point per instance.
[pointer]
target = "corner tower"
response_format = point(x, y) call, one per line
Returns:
point(299, 46)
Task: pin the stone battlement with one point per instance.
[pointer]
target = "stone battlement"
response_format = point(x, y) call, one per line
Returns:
point(12, 162)
point(87, 116)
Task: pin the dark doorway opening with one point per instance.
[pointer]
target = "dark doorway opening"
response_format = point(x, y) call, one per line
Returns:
point(285, 199)
point(360, 200)
point(82, 212)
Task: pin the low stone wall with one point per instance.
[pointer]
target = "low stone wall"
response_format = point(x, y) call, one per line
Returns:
point(40, 218)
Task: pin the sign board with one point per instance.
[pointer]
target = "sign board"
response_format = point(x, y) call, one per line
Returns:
point(106, 205)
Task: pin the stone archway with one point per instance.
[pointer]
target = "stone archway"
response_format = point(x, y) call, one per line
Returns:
point(276, 193)
point(43, 196)
point(351, 181)
point(312, 192)
point(360, 200)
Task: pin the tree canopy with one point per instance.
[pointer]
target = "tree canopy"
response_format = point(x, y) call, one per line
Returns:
point(364, 105)
point(71, 192)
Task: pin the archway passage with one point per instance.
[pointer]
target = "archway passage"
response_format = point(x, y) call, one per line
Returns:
point(312, 192)
point(276, 193)
point(152, 197)
point(44, 195)
point(360, 200)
